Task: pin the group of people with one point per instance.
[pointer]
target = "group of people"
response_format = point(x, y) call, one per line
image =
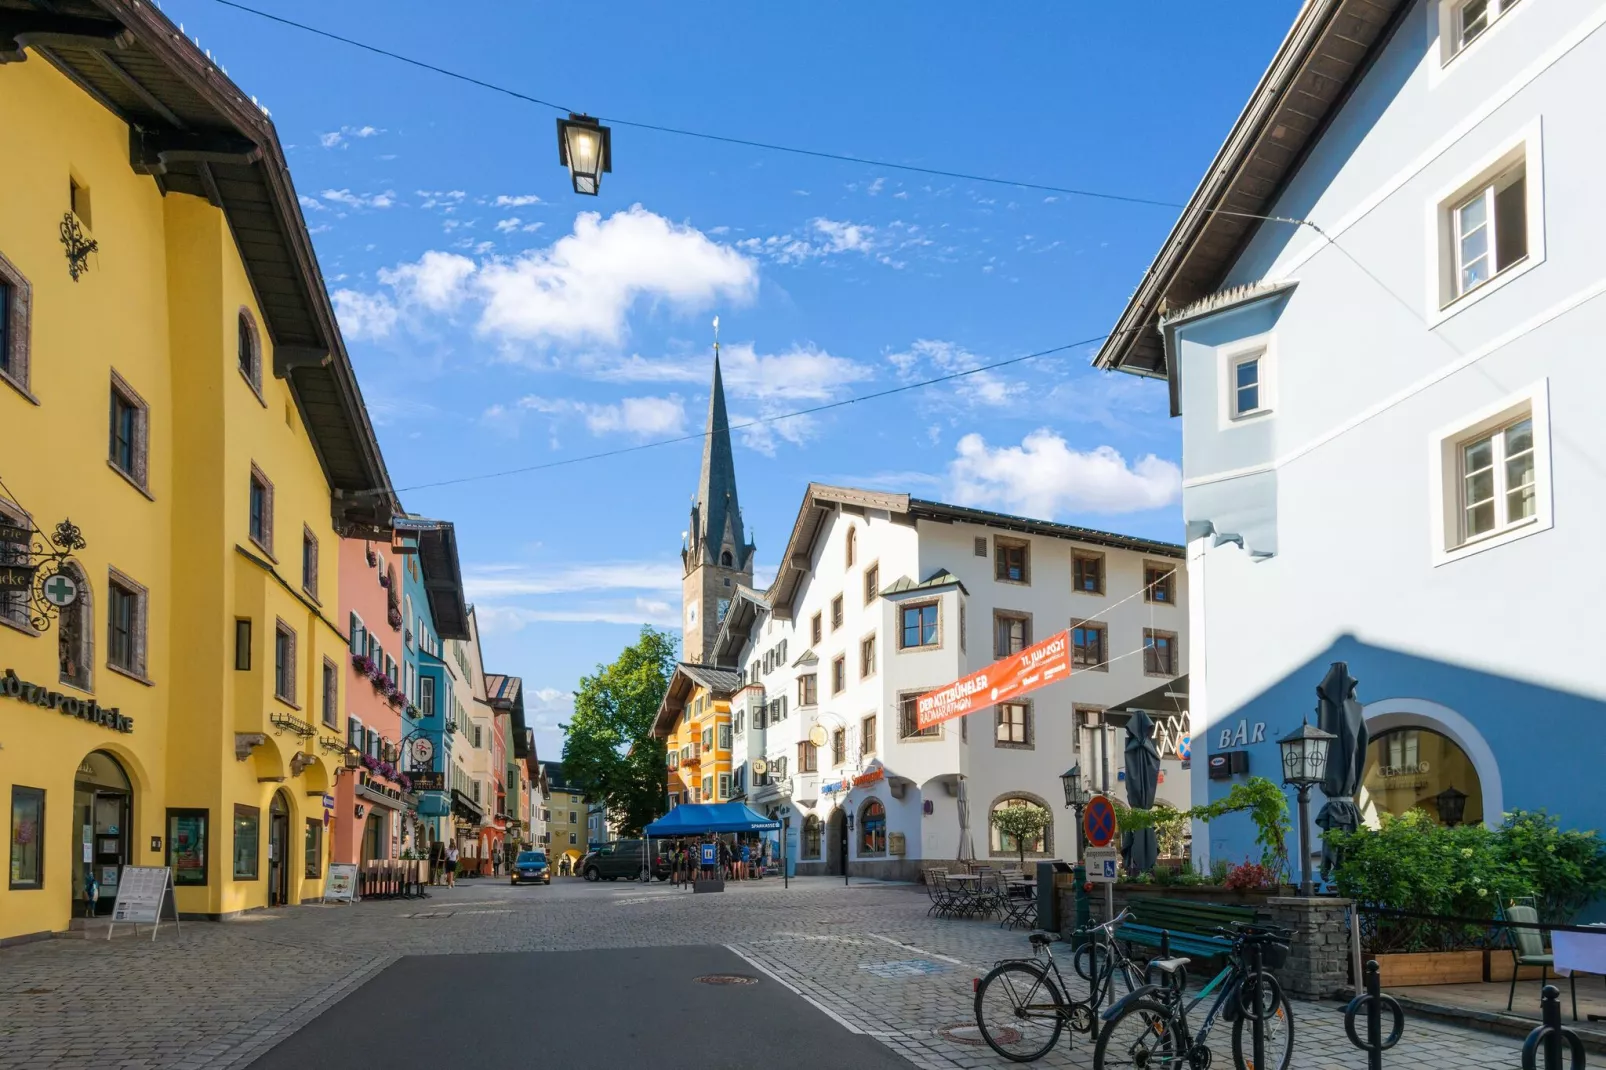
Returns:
point(443, 859)
point(732, 859)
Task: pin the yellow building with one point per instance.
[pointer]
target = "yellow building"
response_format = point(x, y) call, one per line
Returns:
point(565, 807)
point(185, 708)
point(694, 721)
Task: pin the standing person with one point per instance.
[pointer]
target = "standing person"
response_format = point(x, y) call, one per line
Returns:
point(496, 860)
point(451, 864)
point(437, 860)
point(745, 863)
point(708, 858)
point(726, 860)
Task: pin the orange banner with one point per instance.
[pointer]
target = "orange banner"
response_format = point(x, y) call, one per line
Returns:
point(1007, 678)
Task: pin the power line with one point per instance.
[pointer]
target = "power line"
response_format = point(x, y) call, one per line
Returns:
point(749, 423)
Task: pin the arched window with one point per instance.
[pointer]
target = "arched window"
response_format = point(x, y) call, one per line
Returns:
point(852, 545)
point(872, 828)
point(726, 559)
point(249, 350)
point(75, 634)
point(812, 829)
point(1419, 769)
point(1004, 844)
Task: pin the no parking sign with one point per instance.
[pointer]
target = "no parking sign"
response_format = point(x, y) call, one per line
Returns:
point(1098, 821)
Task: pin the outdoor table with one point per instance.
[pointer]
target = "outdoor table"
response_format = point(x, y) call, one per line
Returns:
point(1581, 952)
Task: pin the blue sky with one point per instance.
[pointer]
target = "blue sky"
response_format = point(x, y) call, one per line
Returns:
point(498, 320)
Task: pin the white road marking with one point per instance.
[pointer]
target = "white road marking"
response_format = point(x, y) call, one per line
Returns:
point(919, 950)
point(810, 1000)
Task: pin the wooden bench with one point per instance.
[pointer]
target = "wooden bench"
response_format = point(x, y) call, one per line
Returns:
point(1186, 927)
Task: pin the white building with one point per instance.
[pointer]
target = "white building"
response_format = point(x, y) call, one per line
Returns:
point(881, 598)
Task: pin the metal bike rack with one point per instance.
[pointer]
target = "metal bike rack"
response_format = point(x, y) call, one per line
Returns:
point(1550, 1036)
point(1373, 1003)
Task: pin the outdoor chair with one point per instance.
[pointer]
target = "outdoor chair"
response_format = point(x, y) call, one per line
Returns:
point(1528, 949)
point(1019, 906)
point(965, 898)
point(942, 899)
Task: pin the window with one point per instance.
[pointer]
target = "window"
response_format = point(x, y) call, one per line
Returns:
point(1490, 230)
point(1011, 560)
point(908, 724)
point(873, 828)
point(479, 738)
point(708, 740)
point(724, 737)
point(75, 634)
point(261, 529)
point(1087, 573)
point(812, 829)
point(708, 787)
point(426, 696)
point(839, 674)
point(836, 613)
point(309, 563)
point(249, 352)
point(739, 722)
point(808, 757)
point(981, 546)
point(1490, 226)
point(1497, 479)
point(808, 690)
point(284, 663)
point(839, 746)
point(1159, 583)
point(867, 656)
point(331, 694)
point(814, 630)
point(78, 201)
point(572, 819)
point(1159, 653)
point(1469, 19)
point(1492, 475)
point(724, 785)
point(314, 849)
point(867, 734)
point(242, 645)
point(358, 634)
point(16, 298)
point(1087, 646)
point(872, 582)
point(247, 841)
point(129, 432)
point(15, 534)
point(1004, 844)
point(125, 625)
point(572, 840)
point(1012, 633)
point(919, 626)
point(187, 845)
point(726, 559)
point(852, 545)
point(27, 838)
point(1013, 726)
point(390, 674)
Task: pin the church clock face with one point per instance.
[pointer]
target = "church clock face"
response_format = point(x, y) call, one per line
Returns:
point(691, 615)
point(724, 604)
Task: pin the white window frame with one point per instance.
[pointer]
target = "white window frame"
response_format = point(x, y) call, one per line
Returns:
point(1443, 297)
point(1444, 26)
point(724, 785)
point(1262, 348)
point(1445, 475)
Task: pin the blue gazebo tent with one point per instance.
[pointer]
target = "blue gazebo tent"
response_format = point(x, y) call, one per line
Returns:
point(695, 819)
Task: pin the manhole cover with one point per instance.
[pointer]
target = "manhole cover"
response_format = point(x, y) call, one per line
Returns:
point(971, 1034)
point(727, 979)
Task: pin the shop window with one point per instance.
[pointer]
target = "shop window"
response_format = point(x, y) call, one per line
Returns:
point(1004, 844)
point(812, 829)
point(125, 625)
point(314, 849)
point(1087, 572)
point(16, 297)
point(130, 433)
point(187, 845)
point(27, 838)
point(247, 841)
point(872, 828)
point(75, 639)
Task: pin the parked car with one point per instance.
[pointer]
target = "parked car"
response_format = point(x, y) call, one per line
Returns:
point(531, 867)
point(622, 858)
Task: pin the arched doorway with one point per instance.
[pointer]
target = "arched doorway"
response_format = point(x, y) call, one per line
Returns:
point(279, 850)
point(103, 811)
point(837, 843)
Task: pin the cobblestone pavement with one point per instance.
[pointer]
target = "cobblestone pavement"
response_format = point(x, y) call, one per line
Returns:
point(219, 995)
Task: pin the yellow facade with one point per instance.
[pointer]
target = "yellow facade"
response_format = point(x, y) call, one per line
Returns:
point(567, 827)
point(158, 311)
point(699, 750)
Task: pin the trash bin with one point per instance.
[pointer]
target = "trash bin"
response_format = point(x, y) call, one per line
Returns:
point(1048, 903)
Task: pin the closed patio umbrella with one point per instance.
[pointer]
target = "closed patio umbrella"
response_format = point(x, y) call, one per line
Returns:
point(1141, 847)
point(967, 847)
point(1338, 711)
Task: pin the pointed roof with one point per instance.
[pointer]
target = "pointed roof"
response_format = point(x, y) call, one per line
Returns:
point(716, 487)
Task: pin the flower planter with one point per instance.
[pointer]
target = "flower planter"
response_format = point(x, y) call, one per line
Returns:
point(1431, 968)
point(1499, 964)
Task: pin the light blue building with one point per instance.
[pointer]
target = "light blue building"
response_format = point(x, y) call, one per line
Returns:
point(433, 609)
point(1394, 453)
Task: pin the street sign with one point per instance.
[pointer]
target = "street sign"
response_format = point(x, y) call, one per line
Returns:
point(423, 750)
point(1102, 864)
point(1098, 821)
point(61, 590)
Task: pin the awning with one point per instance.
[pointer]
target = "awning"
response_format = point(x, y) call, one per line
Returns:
point(694, 819)
point(378, 798)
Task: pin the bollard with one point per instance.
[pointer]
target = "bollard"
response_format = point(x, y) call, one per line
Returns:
point(1084, 906)
point(1257, 971)
point(1551, 1035)
point(1373, 1002)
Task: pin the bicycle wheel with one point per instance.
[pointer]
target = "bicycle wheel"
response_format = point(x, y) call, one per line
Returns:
point(1088, 960)
point(1020, 1011)
point(1279, 1025)
point(1141, 1038)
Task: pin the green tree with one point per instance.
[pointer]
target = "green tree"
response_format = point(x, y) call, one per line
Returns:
point(1022, 823)
point(609, 751)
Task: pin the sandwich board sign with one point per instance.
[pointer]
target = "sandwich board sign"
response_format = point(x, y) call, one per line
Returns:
point(144, 894)
point(342, 884)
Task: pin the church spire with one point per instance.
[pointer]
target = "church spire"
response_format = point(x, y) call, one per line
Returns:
point(719, 515)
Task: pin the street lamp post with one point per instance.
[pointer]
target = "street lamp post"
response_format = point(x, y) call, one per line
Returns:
point(1076, 798)
point(585, 148)
point(847, 848)
point(1304, 766)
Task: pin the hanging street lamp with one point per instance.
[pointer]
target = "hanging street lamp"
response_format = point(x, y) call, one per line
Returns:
point(1076, 798)
point(1452, 805)
point(1304, 766)
point(583, 147)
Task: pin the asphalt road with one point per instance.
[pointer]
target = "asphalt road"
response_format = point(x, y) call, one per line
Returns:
point(618, 1006)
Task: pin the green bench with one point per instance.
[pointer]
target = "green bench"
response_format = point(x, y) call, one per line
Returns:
point(1187, 927)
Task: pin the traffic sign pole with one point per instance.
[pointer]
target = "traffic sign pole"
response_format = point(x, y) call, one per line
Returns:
point(1100, 827)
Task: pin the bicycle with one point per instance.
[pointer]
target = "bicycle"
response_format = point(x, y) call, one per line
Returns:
point(1149, 1029)
point(1021, 1028)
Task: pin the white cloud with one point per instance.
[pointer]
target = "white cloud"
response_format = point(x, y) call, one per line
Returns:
point(641, 417)
point(360, 200)
point(823, 237)
point(801, 373)
point(508, 225)
point(1045, 477)
point(310, 203)
point(438, 281)
point(875, 187)
point(338, 138)
point(926, 358)
point(518, 201)
point(364, 315)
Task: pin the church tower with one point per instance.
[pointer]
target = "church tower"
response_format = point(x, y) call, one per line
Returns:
point(715, 555)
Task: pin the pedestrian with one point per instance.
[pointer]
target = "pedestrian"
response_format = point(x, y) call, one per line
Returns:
point(496, 861)
point(746, 861)
point(451, 865)
point(708, 859)
point(724, 860)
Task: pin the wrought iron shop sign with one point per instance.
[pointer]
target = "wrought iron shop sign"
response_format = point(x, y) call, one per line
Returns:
point(11, 686)
point(36, 568)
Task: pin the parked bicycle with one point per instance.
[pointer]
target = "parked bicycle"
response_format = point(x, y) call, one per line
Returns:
point(1021, 1008)
point(1149, 1029)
